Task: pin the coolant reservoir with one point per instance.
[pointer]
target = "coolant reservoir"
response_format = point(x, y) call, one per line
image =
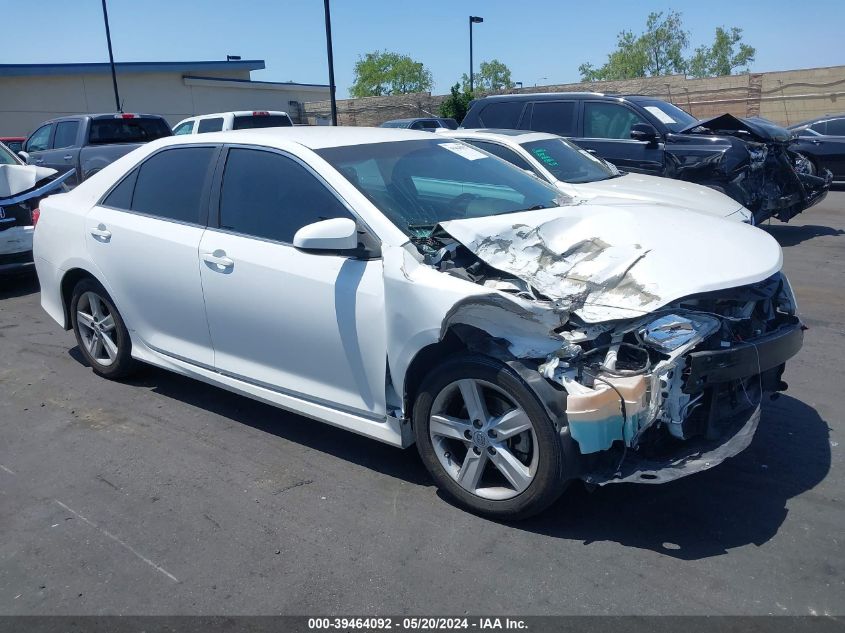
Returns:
point(595, 417)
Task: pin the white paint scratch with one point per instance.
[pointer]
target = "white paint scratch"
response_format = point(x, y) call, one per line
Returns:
point(117, 540)
point(7, 470)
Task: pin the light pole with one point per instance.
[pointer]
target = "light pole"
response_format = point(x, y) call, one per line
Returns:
point(473, 19)
point(331, 60)
point(111, 59)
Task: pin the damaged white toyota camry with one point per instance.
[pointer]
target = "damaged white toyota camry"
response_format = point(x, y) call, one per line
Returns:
point(415, 289)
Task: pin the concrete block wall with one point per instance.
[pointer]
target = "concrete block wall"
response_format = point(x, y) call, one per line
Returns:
point(785, 97)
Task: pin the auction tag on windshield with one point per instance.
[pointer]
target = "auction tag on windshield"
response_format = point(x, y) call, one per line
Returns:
point(660, 114)
point(463, 150)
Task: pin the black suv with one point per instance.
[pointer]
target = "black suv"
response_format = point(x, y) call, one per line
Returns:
point(748, 159)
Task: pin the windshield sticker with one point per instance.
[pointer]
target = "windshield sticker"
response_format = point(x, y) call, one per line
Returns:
point(464, 150)
point(541, 154)
point(660, 114)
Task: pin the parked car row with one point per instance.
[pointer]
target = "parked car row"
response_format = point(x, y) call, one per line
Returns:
point(524, 330)
point(751, 160)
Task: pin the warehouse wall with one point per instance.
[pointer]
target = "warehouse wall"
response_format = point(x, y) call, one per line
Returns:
point(25, 102)
point(785, 97)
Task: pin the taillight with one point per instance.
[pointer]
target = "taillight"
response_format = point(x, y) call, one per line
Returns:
point(125, 116)
point(260, 113)
point(36, 214)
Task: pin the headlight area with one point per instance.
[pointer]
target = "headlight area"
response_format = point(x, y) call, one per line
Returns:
point(679, 390)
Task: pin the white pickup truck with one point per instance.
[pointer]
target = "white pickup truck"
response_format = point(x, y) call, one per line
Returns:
point(225, 121)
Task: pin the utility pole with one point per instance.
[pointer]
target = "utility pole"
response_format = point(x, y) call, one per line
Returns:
point(331, 60)
point(473, 19)
point(111, 59)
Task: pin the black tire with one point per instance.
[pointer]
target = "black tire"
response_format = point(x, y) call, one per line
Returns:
point(548, 481)
point(122, 364)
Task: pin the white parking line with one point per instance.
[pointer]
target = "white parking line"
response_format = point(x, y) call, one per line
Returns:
point(117, 540)
point(8, 470)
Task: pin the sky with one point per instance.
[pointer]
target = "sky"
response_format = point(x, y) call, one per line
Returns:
point(542, 41)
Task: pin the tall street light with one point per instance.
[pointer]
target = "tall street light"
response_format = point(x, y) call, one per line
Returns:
point(111, 59)
point(331, 60)
point(473, 19)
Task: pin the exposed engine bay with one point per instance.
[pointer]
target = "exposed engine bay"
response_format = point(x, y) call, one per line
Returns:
point(651, 392)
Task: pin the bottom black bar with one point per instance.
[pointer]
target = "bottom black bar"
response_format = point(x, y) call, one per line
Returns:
point(534, 624)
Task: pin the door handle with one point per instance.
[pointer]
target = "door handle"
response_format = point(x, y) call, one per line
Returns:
point(218, 258)
point(591, 151)
point(38, 161)
point(68, 156)
point(101, 233)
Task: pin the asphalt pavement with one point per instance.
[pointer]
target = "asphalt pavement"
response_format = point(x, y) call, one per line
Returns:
point(160, 495)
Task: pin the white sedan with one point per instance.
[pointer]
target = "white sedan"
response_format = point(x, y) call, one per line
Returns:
point(415, 289)
point(579, 173)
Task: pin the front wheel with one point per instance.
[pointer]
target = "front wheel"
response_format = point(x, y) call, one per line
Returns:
point(487, 440)
point(100, 331)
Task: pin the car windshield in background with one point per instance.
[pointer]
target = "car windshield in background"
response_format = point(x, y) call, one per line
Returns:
point(253, 122)
point(669, 114)
point(569, 163)
point(6, 156)
point(135, 130)
point(418, 184)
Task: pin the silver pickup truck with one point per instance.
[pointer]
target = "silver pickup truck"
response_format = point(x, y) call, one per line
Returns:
point(87, 143)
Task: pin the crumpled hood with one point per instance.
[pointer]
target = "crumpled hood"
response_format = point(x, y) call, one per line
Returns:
point(757, 128)
point(672, 194)
point(621, 261)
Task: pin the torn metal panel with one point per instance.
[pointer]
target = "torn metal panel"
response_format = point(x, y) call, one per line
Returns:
point(604, 262)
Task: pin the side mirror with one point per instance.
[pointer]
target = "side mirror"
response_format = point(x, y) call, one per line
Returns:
point(643, 132)
point(23, 156)
point(337, 234)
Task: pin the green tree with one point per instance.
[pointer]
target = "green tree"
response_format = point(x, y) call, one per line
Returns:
point(723, 57)
point(491, 76)
point(456, 105)
point(387, 73)
point(656, 51)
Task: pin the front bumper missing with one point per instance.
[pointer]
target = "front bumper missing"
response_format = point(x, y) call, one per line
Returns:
point(711, 372)
point(743, 360)
point(697, 455)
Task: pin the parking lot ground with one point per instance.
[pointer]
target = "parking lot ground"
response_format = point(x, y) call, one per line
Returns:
point(160, 495)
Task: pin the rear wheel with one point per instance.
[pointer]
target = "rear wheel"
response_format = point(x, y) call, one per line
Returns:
point(487, 440)
point(100, 331)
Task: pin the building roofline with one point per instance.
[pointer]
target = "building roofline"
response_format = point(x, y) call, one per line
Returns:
point(253, 81)
point(24, 70)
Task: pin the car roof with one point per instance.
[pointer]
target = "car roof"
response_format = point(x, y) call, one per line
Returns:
point(816, 120)
point(551, 96)
point(310, 136)
point(517, 136)
point(237, 113)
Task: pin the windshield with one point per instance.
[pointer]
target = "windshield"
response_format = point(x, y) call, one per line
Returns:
point(120, 130)
point(568, 162)
point(6, 157)
point(418, 184)
point(669, 115)
point(251, 122)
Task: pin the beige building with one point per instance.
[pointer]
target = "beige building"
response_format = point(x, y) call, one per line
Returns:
point(32, 93)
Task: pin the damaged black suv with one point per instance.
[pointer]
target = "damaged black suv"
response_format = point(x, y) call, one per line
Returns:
point(747, 159)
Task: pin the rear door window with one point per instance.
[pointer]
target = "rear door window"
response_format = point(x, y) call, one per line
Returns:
point(836, 127)
point(504, 114)
point(554, 117)
point(272, 196)
point(609, 120)
point(214, 124)
point(65, 134)
point(172, 184)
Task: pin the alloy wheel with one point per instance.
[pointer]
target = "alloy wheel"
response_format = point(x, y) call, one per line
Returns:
point(97, 328)
point(483, 439)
